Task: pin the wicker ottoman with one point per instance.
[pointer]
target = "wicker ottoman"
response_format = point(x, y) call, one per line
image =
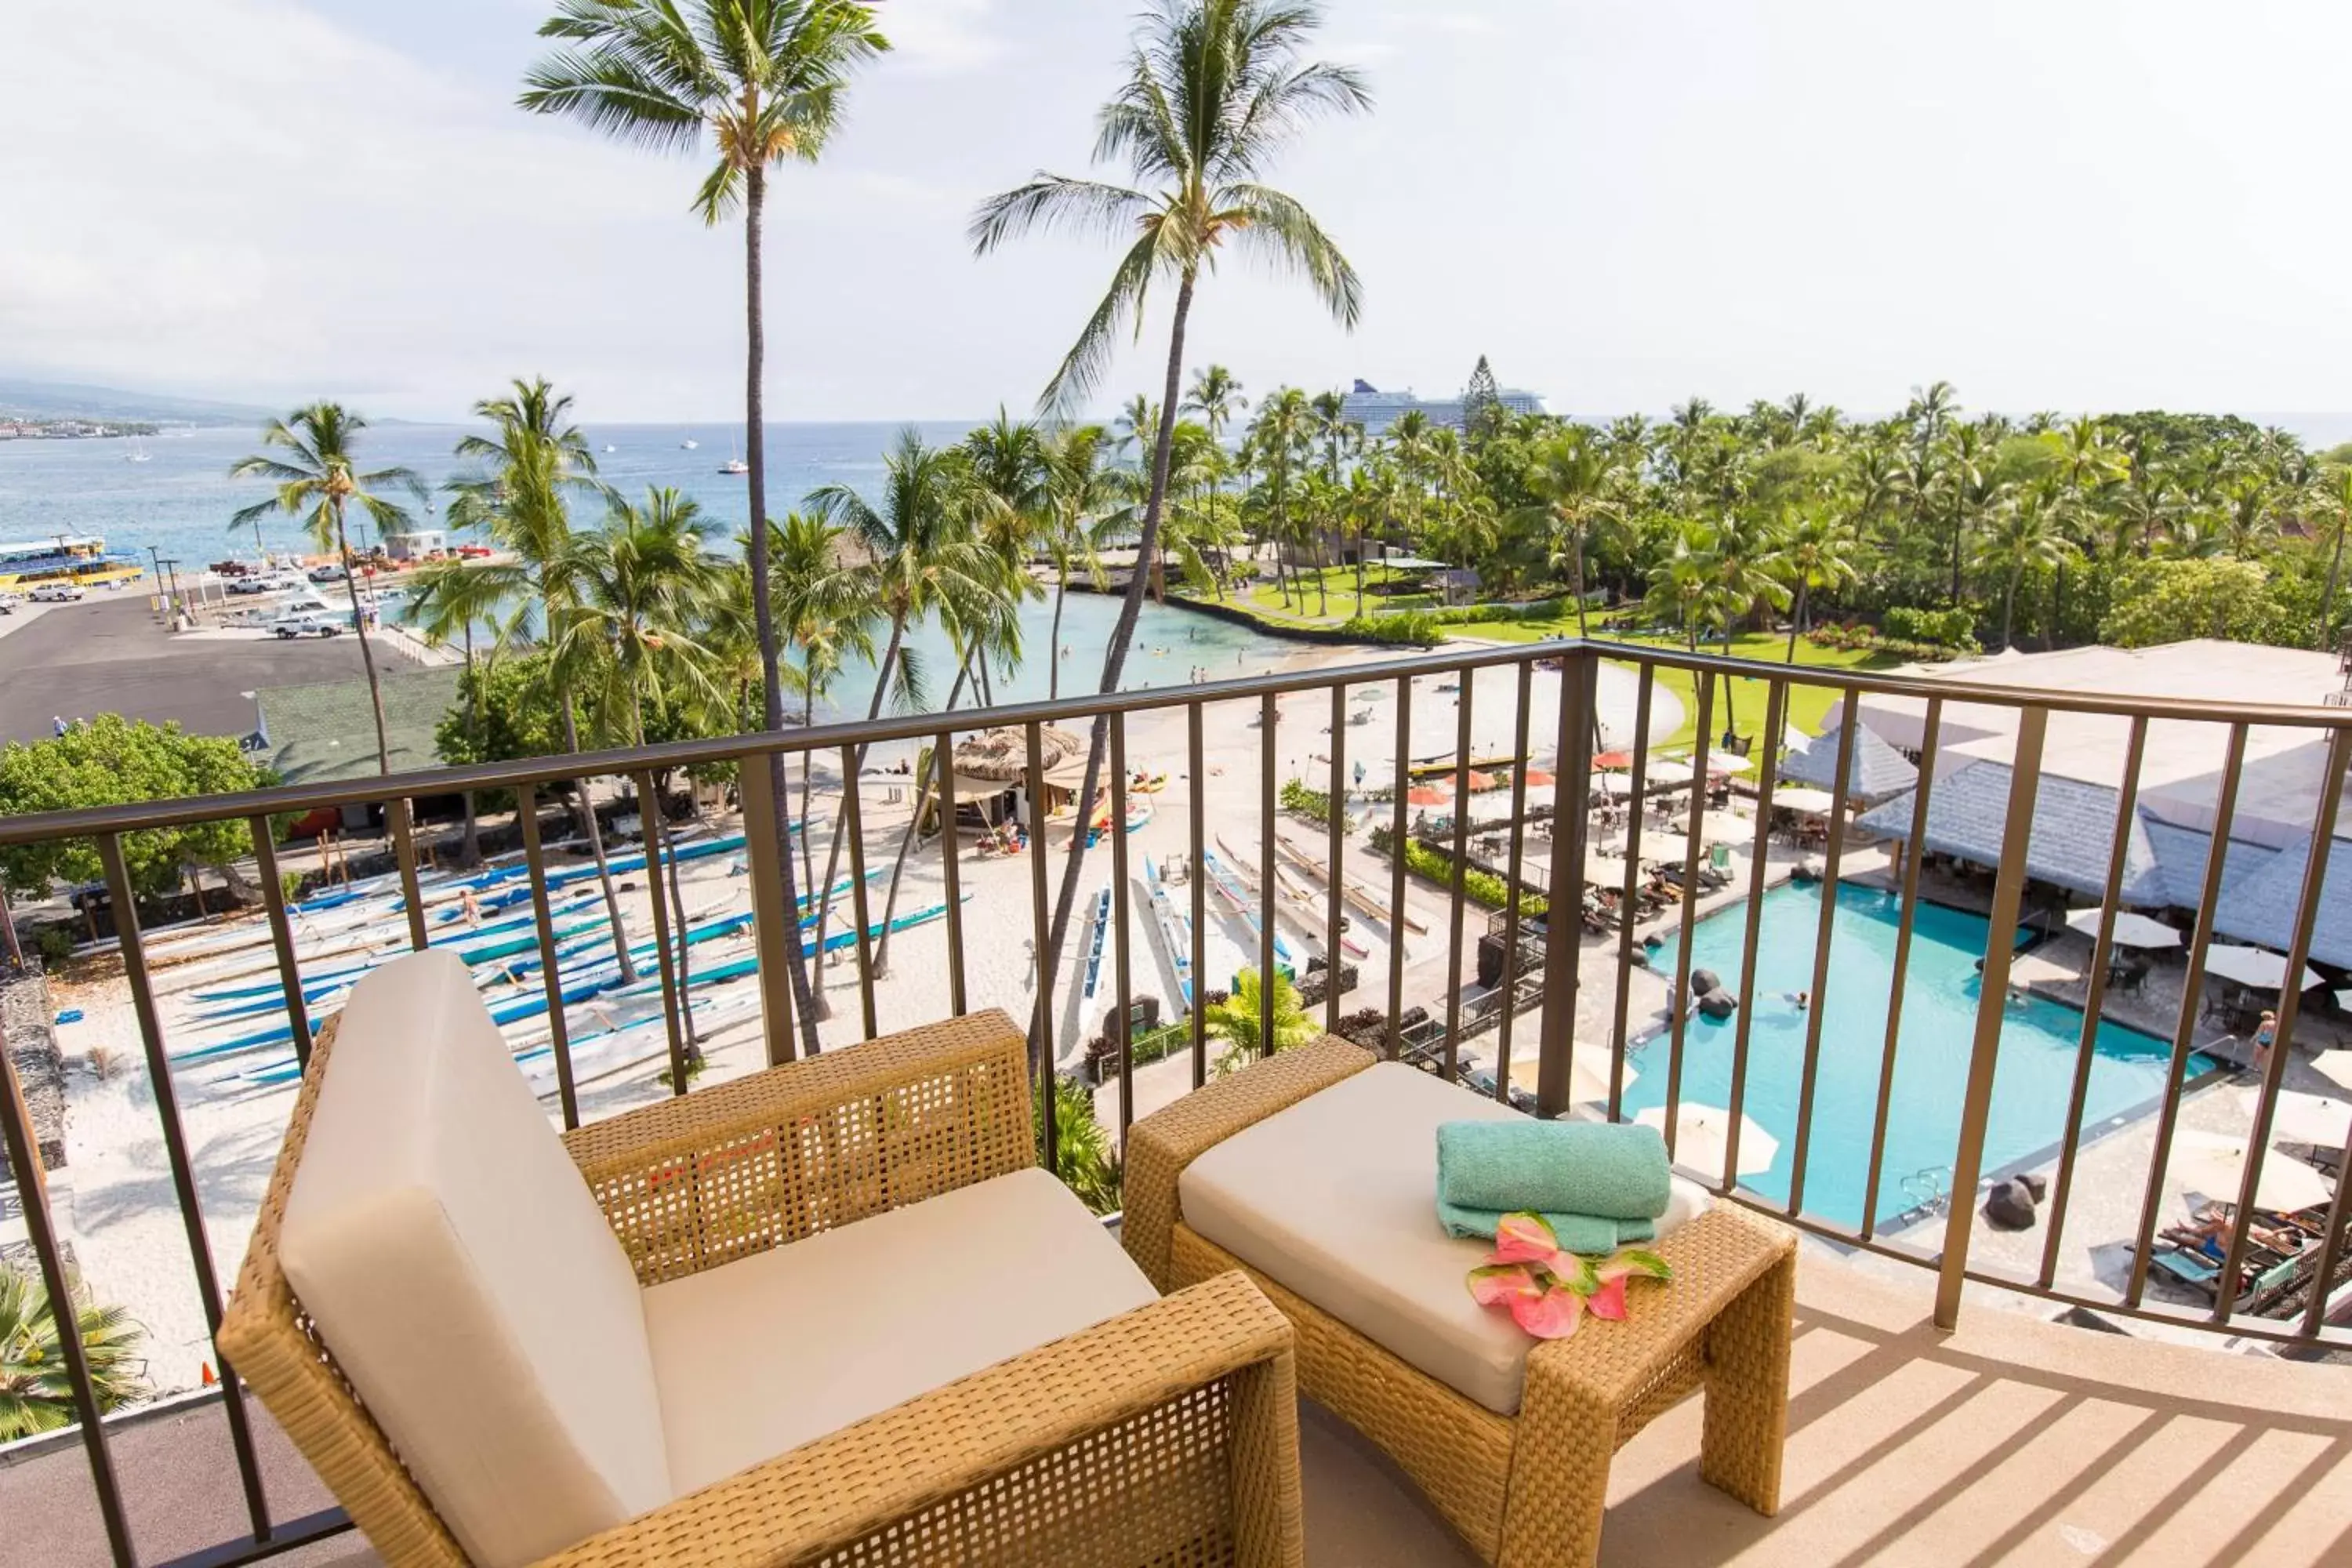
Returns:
point(1526, 1489)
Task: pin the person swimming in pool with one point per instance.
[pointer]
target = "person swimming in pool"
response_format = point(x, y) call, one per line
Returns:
point(1800, 1000)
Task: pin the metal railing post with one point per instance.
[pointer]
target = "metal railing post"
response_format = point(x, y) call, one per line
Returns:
point(1563, 914)
point(1992, 1002)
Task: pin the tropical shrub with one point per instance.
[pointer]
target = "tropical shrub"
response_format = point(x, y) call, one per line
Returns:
point(1479, 886)
point(1405, 628)
point(1234, 1018)
point(35, 1393)
point(1300, 801)
point(1083, 1157)
point(113, 761)
point(2167, 601)
point(1955, 627)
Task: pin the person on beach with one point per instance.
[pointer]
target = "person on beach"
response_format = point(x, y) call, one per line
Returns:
point(2266, 1035)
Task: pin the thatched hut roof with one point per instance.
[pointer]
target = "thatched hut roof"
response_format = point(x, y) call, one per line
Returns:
point(1001, 757)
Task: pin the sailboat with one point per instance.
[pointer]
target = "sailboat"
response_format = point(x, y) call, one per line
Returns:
point(689, 445)
point(735, 463)
point(137, 454)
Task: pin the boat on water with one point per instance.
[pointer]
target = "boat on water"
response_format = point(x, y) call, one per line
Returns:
point(1175, 930)
point(610, 447)
point(78, 558)
point(689, 445)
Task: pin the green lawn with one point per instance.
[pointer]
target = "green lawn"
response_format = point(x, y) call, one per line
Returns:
point(1267, 599)
point(1807, 704)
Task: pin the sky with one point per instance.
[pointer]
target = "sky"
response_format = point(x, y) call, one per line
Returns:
point(2053, 204)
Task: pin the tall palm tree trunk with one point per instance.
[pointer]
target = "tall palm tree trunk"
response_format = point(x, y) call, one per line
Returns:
point(2009, 601)
point(1797, 617)
point(596, 848)
point(2327, 598)
point(367, 650)
point(763, 617)
point(1575, 570)
point(1114, 665)
point(473, 841)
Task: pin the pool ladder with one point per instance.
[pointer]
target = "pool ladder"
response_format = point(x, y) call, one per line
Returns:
point(1929, 1188)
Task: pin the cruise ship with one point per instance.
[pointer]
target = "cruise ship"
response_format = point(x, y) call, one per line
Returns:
point(67, 557)
point(1376, 410)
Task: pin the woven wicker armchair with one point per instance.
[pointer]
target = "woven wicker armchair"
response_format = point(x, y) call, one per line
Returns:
point(1526, 1490)
point(1167, 1434)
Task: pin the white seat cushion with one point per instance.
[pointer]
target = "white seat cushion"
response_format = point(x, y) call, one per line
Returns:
point(458, 1267)
point(1335, 1198)
point(773, 1351)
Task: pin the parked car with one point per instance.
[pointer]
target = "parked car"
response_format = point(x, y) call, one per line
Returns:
point(57, 593)
point(305, 627)
point(233, 569)
point(249, 586)
point(473, 552)
point(329, 573)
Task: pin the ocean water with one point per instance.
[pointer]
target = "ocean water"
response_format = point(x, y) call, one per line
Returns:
point(2031, 1078)
point(179, 503)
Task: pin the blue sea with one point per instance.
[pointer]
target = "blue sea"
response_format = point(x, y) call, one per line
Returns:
point(179, 503)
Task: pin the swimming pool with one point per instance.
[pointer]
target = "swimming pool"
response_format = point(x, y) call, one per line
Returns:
point(2032, 1080)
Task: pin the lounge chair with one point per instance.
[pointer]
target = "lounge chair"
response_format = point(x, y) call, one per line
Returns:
point(830, 1312)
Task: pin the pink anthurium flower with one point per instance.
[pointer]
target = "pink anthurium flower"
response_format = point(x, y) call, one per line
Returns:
point(1525, 1238)
point(1497, 1284)
point(1632, 1261)
point(1609, 1301)
point(1552, 1315)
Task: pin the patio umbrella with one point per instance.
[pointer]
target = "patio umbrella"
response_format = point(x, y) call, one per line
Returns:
point(2214, 1164)
point(2131, 930)
point(1731, 764)
point(1539, 779)
point(1703, 1132)
point(1615, 762)
point(2336, 1067)
point(1479, 781)
point(2252, 966)
point(1427, 794)
point(2300, 1118)
point(1813, 802)
point(1670, 772)
point(1714, 828)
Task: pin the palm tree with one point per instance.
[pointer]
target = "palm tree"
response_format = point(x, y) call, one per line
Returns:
point(762, 81)
point(318, 479)
point(1578, 487)
point(1216, 397)
point(519, 494)
point(2336, 505)
point(1280, 435)
point(446, 600)
point(1213, 89)
point(1745, 570)
point(1235, 1020)
point(1082, 492)
point(36, 1395)
point(634, 591)
point(924, 554)
point(2023, 534)
point(825, 608)
point(1817, 553)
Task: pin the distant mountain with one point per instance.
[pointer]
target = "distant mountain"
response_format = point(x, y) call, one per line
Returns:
point(22, 399)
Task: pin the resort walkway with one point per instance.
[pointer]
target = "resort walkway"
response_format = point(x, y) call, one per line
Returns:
point(2011, 1441)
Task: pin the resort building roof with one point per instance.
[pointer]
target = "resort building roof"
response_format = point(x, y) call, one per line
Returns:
point(2180, 776)
point(1878, 771)
point(318, 734)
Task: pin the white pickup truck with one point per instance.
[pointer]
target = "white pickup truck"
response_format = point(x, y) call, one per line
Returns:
point(305, 625)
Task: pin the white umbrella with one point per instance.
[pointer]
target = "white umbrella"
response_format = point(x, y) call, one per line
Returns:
point(1669, 772)
point(1816, 802)
point(2300, 1118)
point(2252, 966)
point(1608, 870)
point(1716, 829)
point(2131, 930)
point(2336, 1067)
point(2214, 1164)
point(1730, 763)
point(1702, 1133)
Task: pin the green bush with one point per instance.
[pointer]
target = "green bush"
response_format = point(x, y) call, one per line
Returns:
point(1955, 627)
point(54, 944)
point(1479, 886)
point(1311, 804)
point(1530, 610)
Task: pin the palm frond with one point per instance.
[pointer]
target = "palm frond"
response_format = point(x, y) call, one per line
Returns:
point(1055, 202)
point(1282, 230)
point(1081, 370)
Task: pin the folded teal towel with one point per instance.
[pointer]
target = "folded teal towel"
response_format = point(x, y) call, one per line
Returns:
point(1609, 1171)
point(1577, 1232)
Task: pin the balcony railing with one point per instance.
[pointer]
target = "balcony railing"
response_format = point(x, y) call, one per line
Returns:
point(1561, 947)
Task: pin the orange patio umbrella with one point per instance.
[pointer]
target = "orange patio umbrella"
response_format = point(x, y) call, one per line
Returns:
point(1426, 795)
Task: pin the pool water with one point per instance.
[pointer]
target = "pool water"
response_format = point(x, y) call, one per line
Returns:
point(2032, 1080)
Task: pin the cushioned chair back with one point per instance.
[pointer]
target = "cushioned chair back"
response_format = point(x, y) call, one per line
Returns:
point(449, 1256)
